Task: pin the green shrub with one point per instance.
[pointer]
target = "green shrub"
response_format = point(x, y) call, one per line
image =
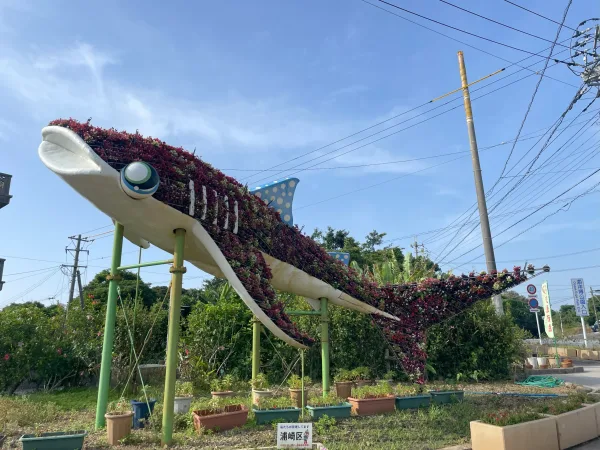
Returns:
point(295, 382)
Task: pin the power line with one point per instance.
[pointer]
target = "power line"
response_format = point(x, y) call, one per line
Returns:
point(500, 23)
point(539, 15)
point(29, 271)
point(461, 30)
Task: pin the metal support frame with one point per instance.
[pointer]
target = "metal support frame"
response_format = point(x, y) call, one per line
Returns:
point(177, 271)
point(109, 328)
point(256, 328)
point(325, 346)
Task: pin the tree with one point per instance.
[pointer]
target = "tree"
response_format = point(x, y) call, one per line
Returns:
point(518, 307)
point(97, 289)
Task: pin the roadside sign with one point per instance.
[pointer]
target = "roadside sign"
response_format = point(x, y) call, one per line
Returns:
point(547, 310)
point(534, 306)
point(294, 435)
point(531, 289)
point(579, 297)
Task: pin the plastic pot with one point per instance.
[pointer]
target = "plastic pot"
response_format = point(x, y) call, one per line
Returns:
point(257, 395)
point(372, 406)
point(118, 426)
point(222, 394)
point(141, 412)
point(413, 402)
point(182, 404)
point(269, 415)
point(337, 411)
point(229, 417)
point(542, 361)
point(533, 362)
point(343, 389)
point(296, 396)
point(54, 441)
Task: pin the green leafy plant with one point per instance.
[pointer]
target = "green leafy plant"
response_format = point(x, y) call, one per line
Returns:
point(295, 382)
point(275, 403)
point(361, 373)
point(390, 375)
point(505, 418)
point(403, 390)
point(260, 382)
point(343, 375)
point(329, 400)
point(184, 388)
point(118, 407)
point(224, 384)
point(324, 424)
point(381, 390)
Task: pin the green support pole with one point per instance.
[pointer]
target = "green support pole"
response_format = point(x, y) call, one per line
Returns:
point(255, 347)
point(177, 271)
point(302, 362)
point(109, 327)
point(325, 346)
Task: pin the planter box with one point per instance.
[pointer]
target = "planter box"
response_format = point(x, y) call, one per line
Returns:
point(269, 415)
point(440, 397)
point(118, 426)
point(535, 435)
point(233, 416)
point(413, 402)
point(589, 354)
point(182, 405)
point(343, 389)
point(372, 406)
point(576, 427)
point(337, 411)
point(54, 441)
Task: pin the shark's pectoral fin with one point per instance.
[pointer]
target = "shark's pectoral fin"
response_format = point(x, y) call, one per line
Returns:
point(246, 284)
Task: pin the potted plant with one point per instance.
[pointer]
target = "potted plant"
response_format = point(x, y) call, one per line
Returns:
point(119, 420)
point(411, 397)
point(295, 384)
point(276, 408)
point(343, 383)
point(183, 396)
point(330, 405)
point(542, 361)
point(219, 414)
point(446, 394)
point(362, 376)
point(51, 441)
point(223, 387)
point(260, 389)
point(142, 410)
point(369, 400)
point(389, 376)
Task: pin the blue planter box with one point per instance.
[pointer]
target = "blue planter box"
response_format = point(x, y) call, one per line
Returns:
point(440, 397)
point(413, 402)
point(338, 411)
point(269, 415)
point(141, 412)
point(54, 441)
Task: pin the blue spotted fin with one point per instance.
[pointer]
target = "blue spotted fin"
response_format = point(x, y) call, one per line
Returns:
point(279, 195)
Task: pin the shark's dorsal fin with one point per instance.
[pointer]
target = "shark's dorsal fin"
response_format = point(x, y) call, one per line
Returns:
point(279, 195)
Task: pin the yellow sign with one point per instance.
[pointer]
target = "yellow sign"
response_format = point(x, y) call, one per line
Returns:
point(547, 310)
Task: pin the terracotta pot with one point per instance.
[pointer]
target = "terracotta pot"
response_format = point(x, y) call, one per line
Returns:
point(257, 395)
point(296, 396)
point(371, 406)
point(528, 366)
point(118, 426)
point(565, 365)
point(227, 418)
point(343, 389)
point(543, 366)
point(222, 394)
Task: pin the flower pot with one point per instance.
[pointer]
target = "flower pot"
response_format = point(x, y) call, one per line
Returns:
point(343, 389)
point(231, 416)
point(269, 415)
point(534, 435)
point(413, 402)
point(296, 396)
point(440, 397)
point(542, 361)
point(182, 404)
point(566, 365)
point(372, 406)
point(141, 412)
point(222, 394)
point(257, 395)
point(532, 362)
point(118, 426)
point(338, 411)
point(54, 441)
point(552, 363)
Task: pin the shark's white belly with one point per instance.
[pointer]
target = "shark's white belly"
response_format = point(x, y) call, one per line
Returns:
point(151, 221)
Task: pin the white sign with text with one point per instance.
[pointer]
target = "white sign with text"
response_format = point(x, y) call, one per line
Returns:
point(579, 297)
point(294, 435)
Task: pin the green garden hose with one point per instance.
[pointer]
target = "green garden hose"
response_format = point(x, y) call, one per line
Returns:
point(541, 381)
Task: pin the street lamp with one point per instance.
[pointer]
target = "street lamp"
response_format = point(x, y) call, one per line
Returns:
point(5, 189)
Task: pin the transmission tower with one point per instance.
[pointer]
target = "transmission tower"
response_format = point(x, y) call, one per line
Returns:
point(585, 45)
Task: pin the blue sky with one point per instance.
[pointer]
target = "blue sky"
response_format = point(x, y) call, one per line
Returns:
point(254, 84)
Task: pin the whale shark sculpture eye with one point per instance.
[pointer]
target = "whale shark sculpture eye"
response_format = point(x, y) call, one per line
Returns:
point(139, 180)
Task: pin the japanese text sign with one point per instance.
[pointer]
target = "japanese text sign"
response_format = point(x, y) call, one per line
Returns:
point(547, 310)
point(579, 297)
point(294, 435)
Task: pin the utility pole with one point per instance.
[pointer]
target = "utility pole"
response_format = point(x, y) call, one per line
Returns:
point(416, 246)
point(594, 303)
point(75, 273)
point(486, 234)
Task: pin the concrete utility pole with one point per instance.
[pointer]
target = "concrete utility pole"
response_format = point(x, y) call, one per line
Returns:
point(75, 274)
point(594, 302)
point(486, 234)
point(416, 246)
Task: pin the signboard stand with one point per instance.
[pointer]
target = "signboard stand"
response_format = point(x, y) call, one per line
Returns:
point(584, 333)
point(581, 306)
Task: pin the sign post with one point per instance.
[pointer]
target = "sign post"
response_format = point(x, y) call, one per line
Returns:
point(581, 307)
point(534, 307)
point(537, 320)
point(549, 328)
